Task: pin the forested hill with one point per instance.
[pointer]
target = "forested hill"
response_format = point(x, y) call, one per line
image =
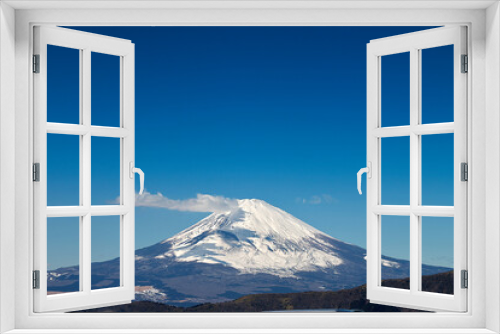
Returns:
point(349, 299)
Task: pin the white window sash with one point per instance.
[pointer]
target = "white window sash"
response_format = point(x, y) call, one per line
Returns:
point(414, 297)
point(85, 297)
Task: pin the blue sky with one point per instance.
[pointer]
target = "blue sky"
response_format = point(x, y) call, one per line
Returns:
point(274, 113)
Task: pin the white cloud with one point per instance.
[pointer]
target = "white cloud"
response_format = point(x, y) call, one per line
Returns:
point(317, 199)
point(202, 203)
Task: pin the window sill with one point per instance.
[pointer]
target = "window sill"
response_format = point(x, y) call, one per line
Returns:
point(252, 331)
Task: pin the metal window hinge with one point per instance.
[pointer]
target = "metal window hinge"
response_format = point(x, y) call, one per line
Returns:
point(36, 279)
point(36, 172)
point(465, 279)
point(36, 63)
point(464, 171)
point(465, 64)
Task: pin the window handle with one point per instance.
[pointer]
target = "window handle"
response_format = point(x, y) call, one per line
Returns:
point(368, 171)
point(133, 170)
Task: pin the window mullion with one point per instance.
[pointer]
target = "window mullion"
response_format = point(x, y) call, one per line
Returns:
point(127, 122)
point(414, 171)
point(85, 161)
point(82, 222)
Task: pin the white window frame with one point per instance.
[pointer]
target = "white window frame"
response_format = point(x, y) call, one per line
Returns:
point(414, 43)
point(85, 43)
point(483, 21)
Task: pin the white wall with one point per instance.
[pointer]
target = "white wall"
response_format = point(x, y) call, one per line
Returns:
point(486, 185)
point(7, 164)
point(492, 165)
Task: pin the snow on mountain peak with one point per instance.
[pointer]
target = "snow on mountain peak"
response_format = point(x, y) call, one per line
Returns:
point(256, 237)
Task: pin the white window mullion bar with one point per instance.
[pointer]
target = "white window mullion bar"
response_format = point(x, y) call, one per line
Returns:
point(78, 129)
point(418, 134)
point(414, 170)
point(392, 131)
point(67, 211)
point(86, 173)
point(406, 210)
point(127, 183)
point(80, 211)
point(376, 197)
point(67, 129)
point(373, 184)
point(392, 210)
point(81, 169)
point(104, 131)
point(434, 211)
point(123, 163)
point(433, 129)
point(421, 129)
point(109, 210)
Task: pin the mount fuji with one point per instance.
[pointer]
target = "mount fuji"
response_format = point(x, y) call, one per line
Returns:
point(254, 248)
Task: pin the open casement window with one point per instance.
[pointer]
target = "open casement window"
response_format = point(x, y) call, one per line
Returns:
point(55, 139)
point(418, 133)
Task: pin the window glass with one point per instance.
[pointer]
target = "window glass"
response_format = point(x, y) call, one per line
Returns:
point(105, 252)
point(63, 85)
point(437, 250)
point(395, 260)
point(395, 94)
point(105, 171)
point(105, 90)
point(395, 166)
point(63, 170)
point(437, 169)
point(63, 255)
point(437, 84)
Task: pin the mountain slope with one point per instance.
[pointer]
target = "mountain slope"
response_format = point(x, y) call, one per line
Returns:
point(255, 238)
point(256, 248)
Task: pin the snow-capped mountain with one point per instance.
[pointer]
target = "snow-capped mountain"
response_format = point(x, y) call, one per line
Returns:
point(255, 238)
point(255, 248)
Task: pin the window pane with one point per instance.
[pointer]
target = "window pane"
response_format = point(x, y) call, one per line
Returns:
point(63, 255)
point(105, 171)
point(105, 90)
point(395, 95)
point(437, 85)
point(395, 261)
point(395, 167)
point(63, 170)
point(437, 169)
point(105, 247)
point(437, 251)
point(63, 85)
